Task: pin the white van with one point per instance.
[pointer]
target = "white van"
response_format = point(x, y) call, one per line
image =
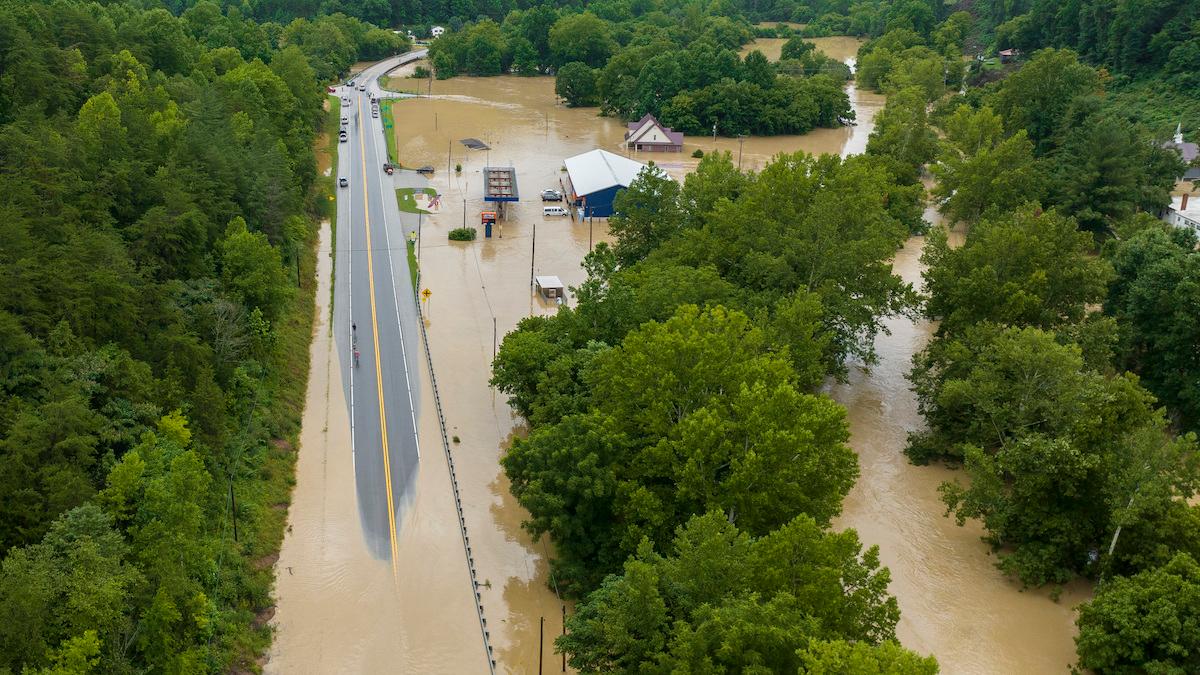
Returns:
point(555, 211)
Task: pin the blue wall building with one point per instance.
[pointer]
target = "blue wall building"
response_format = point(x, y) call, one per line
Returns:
point(594, 179)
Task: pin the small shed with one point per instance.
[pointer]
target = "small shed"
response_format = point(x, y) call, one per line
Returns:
point(550, 287)
point(1007, 55)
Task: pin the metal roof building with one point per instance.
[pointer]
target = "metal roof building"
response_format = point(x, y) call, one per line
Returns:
point(594, 179)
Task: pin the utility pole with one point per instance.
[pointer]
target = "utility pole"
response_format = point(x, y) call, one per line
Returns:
point(532, 253)
point(741, 140)
point(419, 237)
point(464, 211)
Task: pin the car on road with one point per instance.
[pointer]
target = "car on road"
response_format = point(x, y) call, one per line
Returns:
point(345, 120)
point(343, 181)
point(350, 83)
point(554, 211)
point(551, 195)
point(345, 101)
point(342, 137)
point(362, 87)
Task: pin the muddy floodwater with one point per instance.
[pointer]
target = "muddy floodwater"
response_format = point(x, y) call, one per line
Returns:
point(341, 610)
point(954, 604)
point(841, 47)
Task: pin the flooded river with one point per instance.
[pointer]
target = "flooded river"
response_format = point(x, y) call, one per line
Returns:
point(954, 604)
point(357, 619)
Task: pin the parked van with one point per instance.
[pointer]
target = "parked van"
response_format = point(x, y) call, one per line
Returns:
point(555, 211)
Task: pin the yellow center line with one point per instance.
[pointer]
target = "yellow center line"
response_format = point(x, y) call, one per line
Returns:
point(387, 468)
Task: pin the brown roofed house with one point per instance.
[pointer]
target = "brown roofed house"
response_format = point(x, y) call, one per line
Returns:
point(650, 135)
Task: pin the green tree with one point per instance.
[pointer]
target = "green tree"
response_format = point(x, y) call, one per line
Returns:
point(902, 132)
point(676, 426)
point(581, 37)
point(1036, 97)
point(1025, 268)
point(714, 179)
point(1155, 298)
point(776, 239)
point(252, 270)
point(888, 658)
point(645, 214)
point(1105, 171)
point(758, 70)
point(771, 596)
point(575, 83)
point(979, 171)
point(796, 47)
point(1144, 623)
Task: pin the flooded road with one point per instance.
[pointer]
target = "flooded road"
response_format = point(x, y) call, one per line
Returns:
point(339, 607)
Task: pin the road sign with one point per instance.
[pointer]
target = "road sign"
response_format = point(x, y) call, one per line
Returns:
point(426, 293)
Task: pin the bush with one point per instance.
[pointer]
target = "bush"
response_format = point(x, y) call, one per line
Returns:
point(458, 168)
point(698, 153)
point(462, 234)
point(421, 73)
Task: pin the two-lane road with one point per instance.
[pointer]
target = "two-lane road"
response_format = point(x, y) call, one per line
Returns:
point(375, 314)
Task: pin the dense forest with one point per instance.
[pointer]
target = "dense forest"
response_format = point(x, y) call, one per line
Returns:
point(159, 195)
point(677, 423)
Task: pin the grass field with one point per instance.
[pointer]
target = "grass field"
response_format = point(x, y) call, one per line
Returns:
point(408, 203)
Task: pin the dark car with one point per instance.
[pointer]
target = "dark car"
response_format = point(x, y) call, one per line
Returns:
point(343, 181)
point(551, 195)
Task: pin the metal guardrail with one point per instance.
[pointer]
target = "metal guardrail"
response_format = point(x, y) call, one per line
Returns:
point(462, 523)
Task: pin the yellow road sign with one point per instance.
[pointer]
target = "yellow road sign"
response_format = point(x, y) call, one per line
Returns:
point(426, 293)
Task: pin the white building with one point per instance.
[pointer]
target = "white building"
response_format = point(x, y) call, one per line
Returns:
point(595, 177)
point(1184, 212)
point(436, 31)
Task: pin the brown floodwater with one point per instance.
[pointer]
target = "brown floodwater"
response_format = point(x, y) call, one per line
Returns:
point(339, 608)
point(954, 603)
point(844, 48)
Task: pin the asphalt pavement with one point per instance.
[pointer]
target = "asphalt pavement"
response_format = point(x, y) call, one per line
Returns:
point(374, 312)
